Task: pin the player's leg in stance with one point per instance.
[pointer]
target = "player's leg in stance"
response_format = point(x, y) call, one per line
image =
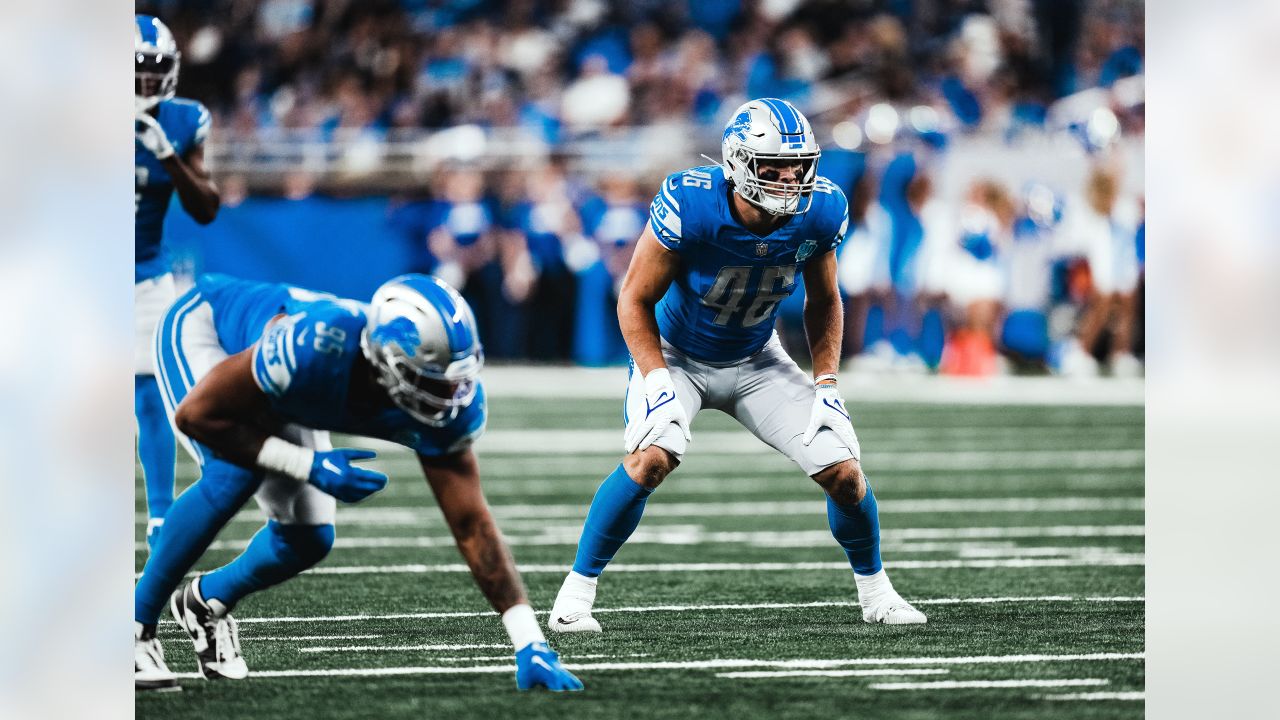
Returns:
point(773, 400)
point(186, 348)
point(299, 533)
point(156, 447)
point(619, 502)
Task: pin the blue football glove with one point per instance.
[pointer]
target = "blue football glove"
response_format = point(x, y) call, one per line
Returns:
point(332, 472)
point(538, 666)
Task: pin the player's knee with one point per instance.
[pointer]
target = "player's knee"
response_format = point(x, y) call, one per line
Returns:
point(308, 544)
point(844, 482)
point(650, 466)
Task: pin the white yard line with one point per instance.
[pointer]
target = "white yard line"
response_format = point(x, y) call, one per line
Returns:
point(711, 664)
point(892, 539)
point(1111, 560)
point(416, 515)
point(985, 684)
point(694, 608)
point(1086, 696)
point(381, 648)
point(752, 674)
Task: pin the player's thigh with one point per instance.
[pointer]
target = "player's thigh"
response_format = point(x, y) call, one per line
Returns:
point(151, 298)
point(186, 348)
point(774, 401)
point(690, 387)
point(290, 502)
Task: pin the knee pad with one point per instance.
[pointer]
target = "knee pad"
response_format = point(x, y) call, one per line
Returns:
point(308, 544)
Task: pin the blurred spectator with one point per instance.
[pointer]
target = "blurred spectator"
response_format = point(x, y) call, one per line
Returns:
point(1102, 227)
point(612, 221)
point(975, 279)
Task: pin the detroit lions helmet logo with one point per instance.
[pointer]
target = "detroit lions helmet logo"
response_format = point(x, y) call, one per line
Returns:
point(400, 331)
point(738, 128)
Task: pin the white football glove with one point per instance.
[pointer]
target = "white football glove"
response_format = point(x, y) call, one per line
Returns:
point(829, 412)
point(661, 409)
point(152, 136)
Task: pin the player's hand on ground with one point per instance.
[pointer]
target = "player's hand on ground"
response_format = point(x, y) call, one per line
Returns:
point(660, 410)
point(829, 412)
point(537, 665)
point(333, 472)
point(151, 135)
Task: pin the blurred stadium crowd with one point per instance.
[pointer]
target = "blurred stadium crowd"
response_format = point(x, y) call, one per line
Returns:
point(947, 266)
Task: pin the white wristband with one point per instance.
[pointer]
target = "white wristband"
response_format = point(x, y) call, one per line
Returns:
point(283, 457)
point(522, 626)
point(827, 376)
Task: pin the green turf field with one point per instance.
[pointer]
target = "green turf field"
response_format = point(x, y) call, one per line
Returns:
point(1018, 529)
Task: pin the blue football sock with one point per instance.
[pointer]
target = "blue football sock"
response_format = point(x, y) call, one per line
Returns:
point(615, 512)
point(857, 529)
point(276, 553)
point(155, 444)
point(190, 526)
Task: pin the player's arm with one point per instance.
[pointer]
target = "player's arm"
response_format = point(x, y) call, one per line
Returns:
point(652, 270)
point(230, 414)
point(823, 324)
point(455, 481)
point(196, 191)
point(823, 314)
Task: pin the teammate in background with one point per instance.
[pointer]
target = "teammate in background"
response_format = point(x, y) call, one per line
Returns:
point(254, 375)
point(722, 248)
point(168, 155)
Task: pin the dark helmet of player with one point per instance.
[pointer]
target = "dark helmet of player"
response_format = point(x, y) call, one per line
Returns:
point(155, 63)
point(763, 135)
point(422, 341)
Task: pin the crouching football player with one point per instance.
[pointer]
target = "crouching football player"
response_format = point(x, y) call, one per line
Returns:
point(724, 245)
point(254, 375)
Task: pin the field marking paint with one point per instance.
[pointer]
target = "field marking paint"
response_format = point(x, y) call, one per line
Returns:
point(184, 638)
point(752, 674)
point(1111, 560)
point(379, 648)
point(985, 684)
point(895, 539)
point(691, 608)
point(1119, 695)
point(710, 664)
point(415, 515)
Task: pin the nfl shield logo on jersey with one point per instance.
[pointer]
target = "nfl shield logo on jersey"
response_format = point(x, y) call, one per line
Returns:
point(762, 249)
point(806, 250)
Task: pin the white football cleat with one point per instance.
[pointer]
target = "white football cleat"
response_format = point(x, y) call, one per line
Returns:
point(891, 609)
point(580, 621)
point(213, 632)
point(572, 609)
point(882, 604)
point(149, 670)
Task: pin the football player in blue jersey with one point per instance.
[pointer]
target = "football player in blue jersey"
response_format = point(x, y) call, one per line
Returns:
point(723, 246)
point(254, 375)
point(168, 155)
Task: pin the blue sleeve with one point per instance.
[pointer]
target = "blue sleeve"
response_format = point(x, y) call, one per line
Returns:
point(201, 122)
point(833, 218)
point(665, 213)
point(304, 352)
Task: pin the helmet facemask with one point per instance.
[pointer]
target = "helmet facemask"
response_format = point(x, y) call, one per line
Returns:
point(155, 63)
point(775, 197)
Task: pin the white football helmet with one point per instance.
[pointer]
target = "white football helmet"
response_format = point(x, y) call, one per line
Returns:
point(771, 129)
point(155, 63)
point(422, 341)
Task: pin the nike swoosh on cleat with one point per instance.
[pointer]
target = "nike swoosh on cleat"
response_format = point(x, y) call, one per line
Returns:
point(563, 621)
point(539, 661)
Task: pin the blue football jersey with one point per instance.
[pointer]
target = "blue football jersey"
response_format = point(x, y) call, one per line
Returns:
point(185, 123)
point(303, 362)
point(722, 305)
